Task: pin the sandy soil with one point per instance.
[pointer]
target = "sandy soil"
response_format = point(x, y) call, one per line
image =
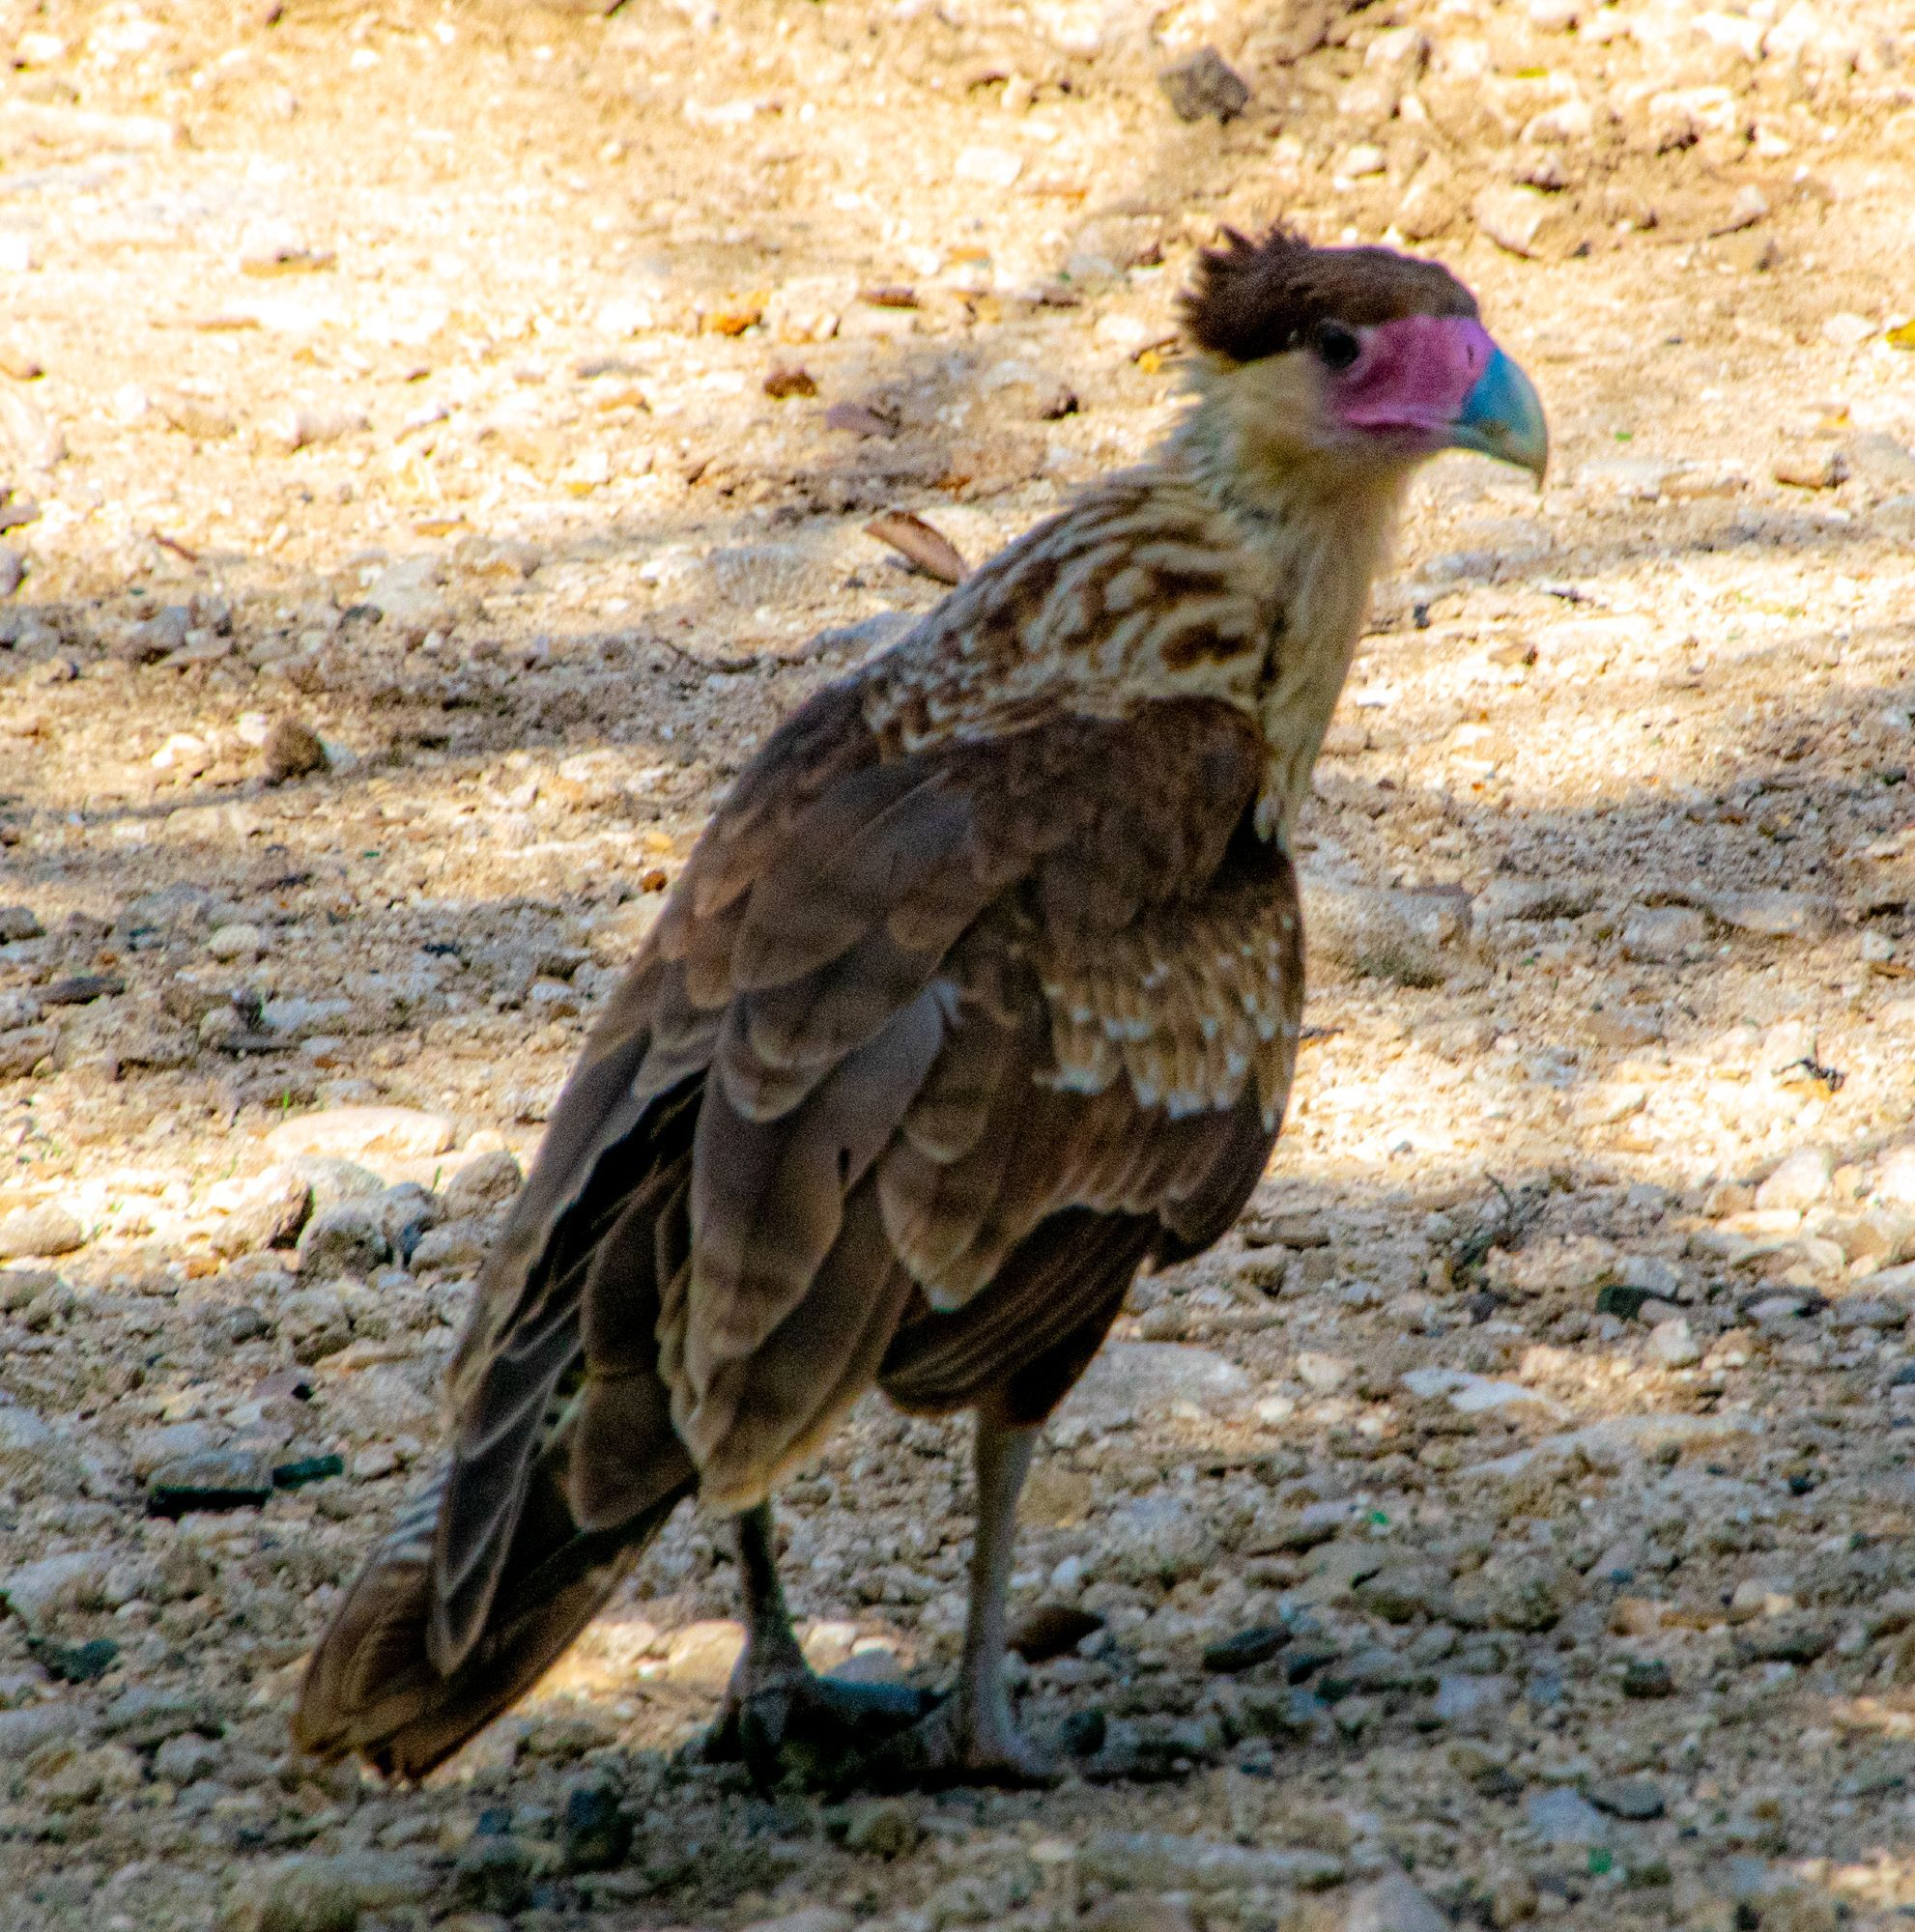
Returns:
point(439, 444)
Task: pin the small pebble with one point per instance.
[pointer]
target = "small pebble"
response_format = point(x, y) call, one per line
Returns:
point(1246, 1649)
point(1811, 468)
point(883, 1827)
point(291, 750)
point(1674, 1345)
point(1647, 1678)
point(237, 941)
point(1637, 1798)
point(1204, 83)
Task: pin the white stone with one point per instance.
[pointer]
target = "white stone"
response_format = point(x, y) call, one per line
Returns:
point(1476, 1395)
point(1393, 1904)
point(1662, 933)
point(1802, 1179)
point(1781, 915)
point(1734, 31)
point(1675, 1345)
point(1164, 1861)
point(402, 1132)
point(988, 167)
point(1897, 1180)
point(701, 1656)
point(236, 941)
point(1144, 1377)
point(1324, 1372)
point(1639, 478)
point(1846, 329)
point(1617, 1440)
point(1565, 1817)
point(73, 1582)
point(813, 1919)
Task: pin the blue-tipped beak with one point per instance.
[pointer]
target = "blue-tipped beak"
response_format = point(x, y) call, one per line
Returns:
point(1503, 417)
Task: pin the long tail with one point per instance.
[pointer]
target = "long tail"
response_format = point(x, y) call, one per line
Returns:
point(371, 1687)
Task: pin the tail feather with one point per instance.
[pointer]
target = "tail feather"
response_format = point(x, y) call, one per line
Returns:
point(371, 1687)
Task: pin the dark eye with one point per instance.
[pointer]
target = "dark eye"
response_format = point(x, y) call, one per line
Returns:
point(1337, 345)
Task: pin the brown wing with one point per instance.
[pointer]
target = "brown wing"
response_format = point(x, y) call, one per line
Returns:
point(981, 988)
point(901, 1013)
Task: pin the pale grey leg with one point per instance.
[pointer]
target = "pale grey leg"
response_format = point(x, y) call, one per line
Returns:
point(986, 1737)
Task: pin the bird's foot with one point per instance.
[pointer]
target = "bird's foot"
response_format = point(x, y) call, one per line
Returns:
point(954, 1745)
point(798, 1724)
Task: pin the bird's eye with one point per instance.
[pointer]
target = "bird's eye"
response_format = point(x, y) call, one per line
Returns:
point(1337, 345)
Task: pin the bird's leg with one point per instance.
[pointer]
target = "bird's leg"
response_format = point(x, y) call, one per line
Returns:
point(771, 1644)
point(972, 1737)
point(987, 1739)
point(779, 1715)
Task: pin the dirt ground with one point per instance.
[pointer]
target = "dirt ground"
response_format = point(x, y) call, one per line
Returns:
point(436, 444)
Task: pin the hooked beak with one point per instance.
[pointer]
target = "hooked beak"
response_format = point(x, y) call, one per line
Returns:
point(1503, 417)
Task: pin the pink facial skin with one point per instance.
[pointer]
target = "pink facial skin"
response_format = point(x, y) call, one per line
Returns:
point(1411, 379)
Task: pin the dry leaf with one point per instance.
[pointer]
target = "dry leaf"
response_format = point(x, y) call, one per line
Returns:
point(748, 314)
point(288, 261)
point(914, 539)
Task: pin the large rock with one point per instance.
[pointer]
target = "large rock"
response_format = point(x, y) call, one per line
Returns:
point(404, 1133)
point(1799, 1181)
point(1617, 1440)
point(702, 1655)
point(266, 1211)
point(1411, 939)
point(486, 1181)
point(1160, 1538)
point(23, 1048)
point(407, 597)
point(1514, 899)
point(1393, 1904)
point(24, 1439)
point(813, 1919)
point(453, 1245)
point(1565, 1817)
point(1142, 1378)
point(325, 1892)
point(41, 1590)
point(1780, 915)
point(1172, 1861)
point(47, 1229)
point(1662, 934)
point(1204, 84)
point(350, 1241)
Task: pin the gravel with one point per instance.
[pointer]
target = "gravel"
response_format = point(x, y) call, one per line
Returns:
point(400, 558)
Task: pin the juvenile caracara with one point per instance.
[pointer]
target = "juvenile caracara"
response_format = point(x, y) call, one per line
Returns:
point(979, 992)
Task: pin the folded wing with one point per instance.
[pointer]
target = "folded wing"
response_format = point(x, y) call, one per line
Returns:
point(926, 1053)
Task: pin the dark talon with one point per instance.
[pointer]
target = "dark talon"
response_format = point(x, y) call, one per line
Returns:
point(941, 1750)
point(812, 1728)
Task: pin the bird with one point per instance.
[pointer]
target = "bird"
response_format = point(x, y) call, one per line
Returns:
point(979, 993)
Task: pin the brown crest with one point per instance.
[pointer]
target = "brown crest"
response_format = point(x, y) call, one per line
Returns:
point(1255, 298)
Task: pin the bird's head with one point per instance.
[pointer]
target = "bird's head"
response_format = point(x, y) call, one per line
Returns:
point(1351, 362)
